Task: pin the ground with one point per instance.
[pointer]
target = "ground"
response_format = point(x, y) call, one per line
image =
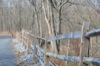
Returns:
point(7, 57)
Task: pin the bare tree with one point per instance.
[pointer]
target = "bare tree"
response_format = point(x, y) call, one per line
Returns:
point(50, 28)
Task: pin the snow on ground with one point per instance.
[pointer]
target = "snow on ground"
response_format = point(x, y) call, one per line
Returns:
point(24, 57)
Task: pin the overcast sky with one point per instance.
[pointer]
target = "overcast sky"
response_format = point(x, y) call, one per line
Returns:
point(12, 3)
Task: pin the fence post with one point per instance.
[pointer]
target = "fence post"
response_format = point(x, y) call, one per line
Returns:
point(27, 42)
point(68, 46)
point(46, 60)
point(34, 54)
point(84, 46)
point(28, 51)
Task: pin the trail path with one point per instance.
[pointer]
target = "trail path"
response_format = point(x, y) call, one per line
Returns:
point(7, 57)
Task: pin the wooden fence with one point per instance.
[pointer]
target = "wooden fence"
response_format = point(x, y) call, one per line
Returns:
point(83, 59)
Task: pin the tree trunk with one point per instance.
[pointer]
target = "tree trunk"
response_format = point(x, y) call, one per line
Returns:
point(49, 29)
point(58, 31)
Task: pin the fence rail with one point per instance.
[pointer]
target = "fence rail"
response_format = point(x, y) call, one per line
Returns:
point(95, 32)
point(70, 58)
point(77, 34)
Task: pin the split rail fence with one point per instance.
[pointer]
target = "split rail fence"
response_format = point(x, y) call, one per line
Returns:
point(83, 59)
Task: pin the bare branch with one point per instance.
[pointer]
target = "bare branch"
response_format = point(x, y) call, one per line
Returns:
point(53, 3)
point(32, 2)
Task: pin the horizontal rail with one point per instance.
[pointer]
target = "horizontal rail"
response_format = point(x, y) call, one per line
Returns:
point(74, 58)
point(37, 37)
point(95, 32)
point(63, 36)
point(76, 34)
point(41, 61)
point(70, 58)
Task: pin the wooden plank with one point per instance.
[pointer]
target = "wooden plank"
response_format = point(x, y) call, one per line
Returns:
point(95, 32)
point(37, 37)
point(74, 58)
point(84, 46)
point(41, 61)
point(40, 49)
point(76, 34)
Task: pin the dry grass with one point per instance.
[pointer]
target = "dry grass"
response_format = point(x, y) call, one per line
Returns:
point(58, 62)
point(6, 33)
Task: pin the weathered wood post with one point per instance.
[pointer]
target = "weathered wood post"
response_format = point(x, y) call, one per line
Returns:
point(28, 51)
point(46, 60)
point(27, 42)
point(84, 46)
point(68, 46)
point(34, 54)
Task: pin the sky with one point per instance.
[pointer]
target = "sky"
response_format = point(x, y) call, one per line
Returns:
point(12, 3)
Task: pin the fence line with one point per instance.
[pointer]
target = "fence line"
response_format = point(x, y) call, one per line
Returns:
point(77, 34)
point(70, 58)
